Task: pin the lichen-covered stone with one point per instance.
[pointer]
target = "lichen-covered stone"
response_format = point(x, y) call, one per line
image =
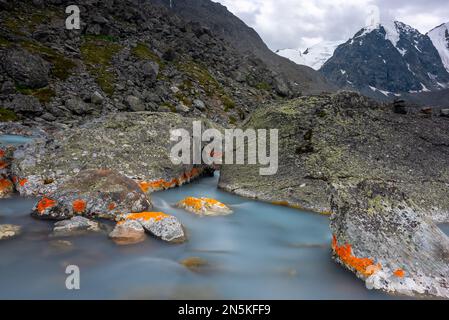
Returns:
point(93, 193)
point(135, 144)
point(204, 206)
point(347, 137)
point(75, 226)
point(162, 226)
point(128, 232)
point(388, 240)
point(8, 231)
point(6, 185)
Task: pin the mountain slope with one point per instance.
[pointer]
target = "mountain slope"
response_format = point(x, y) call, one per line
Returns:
point(440, 39)
point(292, 78)
point(129, 55)
point(387, 60)
point(314, 56)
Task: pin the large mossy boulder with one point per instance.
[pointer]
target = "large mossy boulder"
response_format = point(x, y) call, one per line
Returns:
point(136, 145)
point(347, 138)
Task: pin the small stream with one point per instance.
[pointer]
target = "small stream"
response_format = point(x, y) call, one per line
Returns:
point(262, 251)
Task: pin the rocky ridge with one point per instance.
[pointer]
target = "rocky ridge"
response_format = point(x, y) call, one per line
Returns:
point(128, 56)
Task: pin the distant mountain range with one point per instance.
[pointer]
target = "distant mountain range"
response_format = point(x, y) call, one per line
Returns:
point(385, 61)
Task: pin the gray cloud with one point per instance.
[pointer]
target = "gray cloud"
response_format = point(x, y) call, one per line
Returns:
point(302, 23)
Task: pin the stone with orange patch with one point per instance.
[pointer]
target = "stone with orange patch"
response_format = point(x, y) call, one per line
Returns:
point(204, 206)
point(399, 273)
point(79, 206)
point(44, 204)
point(364, 266)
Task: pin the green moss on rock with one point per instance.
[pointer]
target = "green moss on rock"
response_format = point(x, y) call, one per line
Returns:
point(97, 55)
point(7, 115)
point(141, 51)
point(61, 66)
point(44, 95)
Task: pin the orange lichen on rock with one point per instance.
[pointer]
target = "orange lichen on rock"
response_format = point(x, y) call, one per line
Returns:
point(79, 206)
point(161, 184)
point(195, 203)
point(44, 204)
point(399, 273)
point(5, 184)
point(3, 164)
point(213, 202)
point(112, 206)
point(146, 216)
point(22, 182)
point(365, 266)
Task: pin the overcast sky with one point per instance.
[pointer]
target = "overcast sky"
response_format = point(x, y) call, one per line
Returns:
point(302, 23)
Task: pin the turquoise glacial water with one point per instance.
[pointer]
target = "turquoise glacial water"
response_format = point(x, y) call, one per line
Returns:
point(262, 251)
point(7, 139)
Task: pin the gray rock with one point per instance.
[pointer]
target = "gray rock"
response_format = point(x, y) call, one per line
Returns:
point(199, 104)
point(75, 226)
point(168, 229)
point(394, 246)
point(134, 103)
point(150, 70)
point(28, 70)
point(78, 106)
point(100, 193)
point(8, 231)
point(8, 87)
point(24, 104)
point(128, 232)
point(97, 98)
point(444, 112)
point(181, 107)
point(48, 117)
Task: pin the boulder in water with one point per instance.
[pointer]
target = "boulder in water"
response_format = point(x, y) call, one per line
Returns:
point(128, 232)
point(8, 231)
point(161, 225)
point(75, 226)
point(93, 193)
point(204, 206)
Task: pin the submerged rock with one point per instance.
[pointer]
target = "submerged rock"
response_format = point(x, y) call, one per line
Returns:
point(204, 206)
point(75, 226)
point(160, 225)
point(136, 144)
point(128, 232)
point(93, 193)
point(8, 231)
point(194, 263)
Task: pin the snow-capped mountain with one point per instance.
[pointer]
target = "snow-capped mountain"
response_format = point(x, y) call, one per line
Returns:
point(440, 39)
point(314, 56)
point(387, 59)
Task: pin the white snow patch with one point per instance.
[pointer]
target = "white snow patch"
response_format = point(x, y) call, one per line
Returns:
point(314, 57)
point(438, 37)
point(424, 88)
